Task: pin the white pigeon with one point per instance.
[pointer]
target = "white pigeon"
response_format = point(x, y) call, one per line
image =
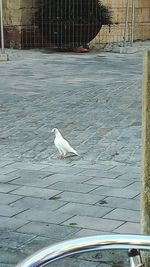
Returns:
point(62, 145)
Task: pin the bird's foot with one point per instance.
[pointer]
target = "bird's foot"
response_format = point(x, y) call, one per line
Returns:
point(61, 157)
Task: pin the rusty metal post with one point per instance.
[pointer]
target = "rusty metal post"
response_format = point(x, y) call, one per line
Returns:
point(2, 26)
point(132, 22)
point(126, 23)
point(145, 192)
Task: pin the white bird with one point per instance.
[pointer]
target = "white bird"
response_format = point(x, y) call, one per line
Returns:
point(62, 145)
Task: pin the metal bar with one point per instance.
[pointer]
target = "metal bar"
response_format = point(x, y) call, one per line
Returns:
point(132, 22)
point(126, 22)
point(135, 258)
point(2, 27)
point(86, 244)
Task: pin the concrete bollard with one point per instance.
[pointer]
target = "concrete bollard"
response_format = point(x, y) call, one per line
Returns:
point(3, 57)
point(145, 190)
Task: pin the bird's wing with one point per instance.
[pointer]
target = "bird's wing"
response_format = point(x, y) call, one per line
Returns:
point(64, 146)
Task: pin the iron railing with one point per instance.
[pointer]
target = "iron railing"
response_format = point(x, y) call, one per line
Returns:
point(89, 244)
point(67, 24)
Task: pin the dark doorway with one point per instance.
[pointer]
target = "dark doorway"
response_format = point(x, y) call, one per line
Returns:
point(70, 23)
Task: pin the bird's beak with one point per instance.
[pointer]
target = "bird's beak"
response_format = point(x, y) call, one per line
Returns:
point(52, 130)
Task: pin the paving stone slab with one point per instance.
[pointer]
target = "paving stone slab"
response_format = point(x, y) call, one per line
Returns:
point(27, 173)
point(7, 169)
point(11, 256)
point(37, 215)
point(11, 223)
point(80, 197)
point(117, 183)
point(124, 214)
point(93, 223)
point(63, 169)
point(6, 188)
point(101, 173)
point(6, 162)
point(128, 228)
point(115, 192)
point(88, 232)
point(8, 198)
point(106, 134)
point(74, 263)
point(107, 258)
point(35, 192)
point(29, 166)
point(32, 181)
point(67, 177)
point(51, 231)
point(14, 240)
point(5, 178)
point(9, 211)
point(73, 187)
point(82, 209)
point(37, 203)
point(6, 265)
point(118, 202)
point(37, 243)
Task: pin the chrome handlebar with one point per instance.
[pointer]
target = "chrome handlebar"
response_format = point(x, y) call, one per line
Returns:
point(86, 244)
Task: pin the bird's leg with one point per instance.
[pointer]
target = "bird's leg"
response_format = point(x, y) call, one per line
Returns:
point(61, 156)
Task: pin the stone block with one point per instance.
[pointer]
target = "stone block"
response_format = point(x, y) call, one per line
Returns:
point(3, 57)
point(125, 50)
point(12, 36)
point(26, 4)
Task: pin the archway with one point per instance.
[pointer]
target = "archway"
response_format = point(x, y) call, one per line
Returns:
point(71, 23)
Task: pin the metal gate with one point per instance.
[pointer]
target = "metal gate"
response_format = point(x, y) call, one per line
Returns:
point(65, 24)
point(69, 24)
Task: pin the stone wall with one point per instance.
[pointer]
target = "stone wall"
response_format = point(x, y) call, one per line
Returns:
point(18, 15)
point(116, 34)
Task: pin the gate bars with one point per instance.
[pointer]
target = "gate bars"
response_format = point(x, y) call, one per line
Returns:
point(69, 24)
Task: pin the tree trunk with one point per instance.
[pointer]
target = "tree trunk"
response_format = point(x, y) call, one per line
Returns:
point(145, 194)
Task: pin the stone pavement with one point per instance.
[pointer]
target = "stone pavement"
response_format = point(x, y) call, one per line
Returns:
point(95, 101)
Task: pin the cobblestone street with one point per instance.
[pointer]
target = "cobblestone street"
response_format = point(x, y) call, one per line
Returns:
point(94, 99)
